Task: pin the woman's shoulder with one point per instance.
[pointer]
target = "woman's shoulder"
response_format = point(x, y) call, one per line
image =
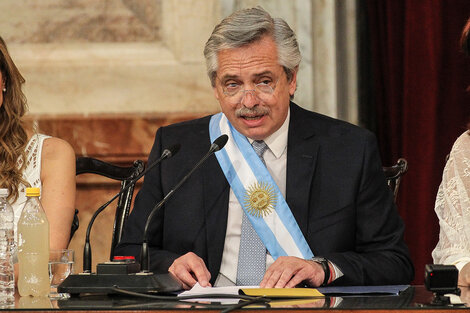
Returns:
point(58, 159)
point(54, 148)
point(460, 151)
point(55, 143)
point(463, 142)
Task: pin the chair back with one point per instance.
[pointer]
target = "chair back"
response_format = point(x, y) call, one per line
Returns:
point(394, 173)
point(125, 175)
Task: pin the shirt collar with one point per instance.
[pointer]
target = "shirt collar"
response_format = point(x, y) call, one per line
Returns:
point(277, 141)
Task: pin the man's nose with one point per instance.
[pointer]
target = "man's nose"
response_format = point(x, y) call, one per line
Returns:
point(249, 98)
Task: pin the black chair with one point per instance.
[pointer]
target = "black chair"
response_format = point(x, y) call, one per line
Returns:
point(125, 175)
point(394, 173)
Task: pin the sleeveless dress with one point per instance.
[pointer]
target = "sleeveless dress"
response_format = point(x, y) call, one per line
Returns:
point(31, 173)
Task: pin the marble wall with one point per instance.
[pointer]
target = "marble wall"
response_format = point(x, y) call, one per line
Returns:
point(111, 56)
point(127, 56)
point(82, 21)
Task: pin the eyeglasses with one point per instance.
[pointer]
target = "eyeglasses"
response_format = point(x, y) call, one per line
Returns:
point(235, 92)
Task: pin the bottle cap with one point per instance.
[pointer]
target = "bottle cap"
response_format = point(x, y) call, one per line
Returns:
point(4, 192)
point(32, 192)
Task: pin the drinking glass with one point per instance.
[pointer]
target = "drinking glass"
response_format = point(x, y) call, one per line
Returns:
point(60, 267)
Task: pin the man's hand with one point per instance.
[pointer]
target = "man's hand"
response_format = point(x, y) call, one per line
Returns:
point(190, 269)
point(289, 271)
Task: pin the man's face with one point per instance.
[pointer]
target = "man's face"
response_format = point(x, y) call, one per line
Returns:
point(254, 113)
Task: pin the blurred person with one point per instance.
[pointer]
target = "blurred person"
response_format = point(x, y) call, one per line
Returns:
point(30, 159)
point(327, 215)
point(453, 201)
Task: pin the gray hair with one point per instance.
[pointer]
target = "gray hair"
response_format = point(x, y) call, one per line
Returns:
point(247, 26)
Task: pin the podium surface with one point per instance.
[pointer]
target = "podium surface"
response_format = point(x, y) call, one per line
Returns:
point(415, 298)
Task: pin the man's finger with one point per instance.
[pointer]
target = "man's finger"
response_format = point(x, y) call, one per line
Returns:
point(298, 278)
point(182, 273)
point(272, 280)
point(202, 274)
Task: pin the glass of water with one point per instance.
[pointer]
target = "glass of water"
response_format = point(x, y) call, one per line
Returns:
point(60, 267)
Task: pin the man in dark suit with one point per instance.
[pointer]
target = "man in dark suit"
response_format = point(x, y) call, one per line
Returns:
point(324, 182)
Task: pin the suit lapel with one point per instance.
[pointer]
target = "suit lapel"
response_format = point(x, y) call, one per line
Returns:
point(215, 202)
point(301, 159)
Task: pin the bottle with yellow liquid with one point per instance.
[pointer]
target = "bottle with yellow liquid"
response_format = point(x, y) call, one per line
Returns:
point(33, 248)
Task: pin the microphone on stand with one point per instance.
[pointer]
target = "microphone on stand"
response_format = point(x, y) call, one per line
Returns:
point(143, 281)
point(167, 153)
point(218, 144)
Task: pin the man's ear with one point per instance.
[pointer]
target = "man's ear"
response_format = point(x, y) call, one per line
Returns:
point(293, 82)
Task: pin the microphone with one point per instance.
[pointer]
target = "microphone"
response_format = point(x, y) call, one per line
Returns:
point(124, 276)
point(167, 153)
point(218, 144)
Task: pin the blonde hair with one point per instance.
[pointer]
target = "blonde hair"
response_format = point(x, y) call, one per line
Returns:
point(13, 136)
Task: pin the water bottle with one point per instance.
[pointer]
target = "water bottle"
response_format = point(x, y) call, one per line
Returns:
point(33, 248)
point(7, 251)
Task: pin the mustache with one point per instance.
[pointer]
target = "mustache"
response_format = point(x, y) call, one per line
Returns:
point(254, 111)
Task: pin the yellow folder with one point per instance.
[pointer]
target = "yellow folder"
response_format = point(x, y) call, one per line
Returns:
point(281, 292)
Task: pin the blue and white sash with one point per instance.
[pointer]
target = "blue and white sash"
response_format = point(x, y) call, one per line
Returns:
point(246, 174)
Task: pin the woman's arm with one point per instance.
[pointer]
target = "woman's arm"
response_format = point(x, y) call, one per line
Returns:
point(58, 189)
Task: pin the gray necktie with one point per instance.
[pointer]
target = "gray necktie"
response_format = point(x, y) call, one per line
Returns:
point(252, 255)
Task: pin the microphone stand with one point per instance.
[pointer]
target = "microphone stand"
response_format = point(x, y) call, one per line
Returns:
point(144, 253)
point(87, 257)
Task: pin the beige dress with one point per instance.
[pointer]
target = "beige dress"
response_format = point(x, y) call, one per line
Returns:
point(453, 207)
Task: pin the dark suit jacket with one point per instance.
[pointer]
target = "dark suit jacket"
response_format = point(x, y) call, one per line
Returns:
point(336, 190)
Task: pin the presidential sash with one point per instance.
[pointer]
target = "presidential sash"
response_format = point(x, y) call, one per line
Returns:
point(257, 193)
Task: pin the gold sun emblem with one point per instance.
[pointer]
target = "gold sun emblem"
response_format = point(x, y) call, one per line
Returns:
point(260, 199)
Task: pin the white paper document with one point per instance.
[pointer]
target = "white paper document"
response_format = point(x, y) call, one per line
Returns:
point(199, 290)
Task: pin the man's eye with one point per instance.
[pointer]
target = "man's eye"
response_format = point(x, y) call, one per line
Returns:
point(232, 86)
point(265, 82)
